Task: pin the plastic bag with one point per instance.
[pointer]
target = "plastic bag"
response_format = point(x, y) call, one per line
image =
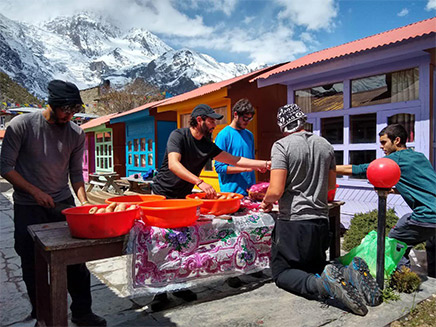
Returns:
point(367, 250)
point(257, 191)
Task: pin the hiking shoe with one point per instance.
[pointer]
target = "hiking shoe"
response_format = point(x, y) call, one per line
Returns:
point(357, 273)
point(332, 283)
point(89, 319)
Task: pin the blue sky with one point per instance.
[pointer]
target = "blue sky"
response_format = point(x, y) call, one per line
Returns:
point(242, 31)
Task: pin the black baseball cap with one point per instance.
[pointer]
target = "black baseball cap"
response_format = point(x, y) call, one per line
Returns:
point(205, 110)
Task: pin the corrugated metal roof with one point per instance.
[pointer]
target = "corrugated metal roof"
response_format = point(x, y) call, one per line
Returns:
point(411, 31)
point(145, 106)
point(97, 121)
point(209, 88)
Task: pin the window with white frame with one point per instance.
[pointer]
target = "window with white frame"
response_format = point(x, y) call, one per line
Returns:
point(326, 97)
point(103, 151)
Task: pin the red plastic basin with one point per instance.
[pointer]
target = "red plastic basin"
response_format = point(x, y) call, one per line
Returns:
point(331, 194)
point(218, 207)
point(135, 199)
point(82, 224)
point(171, 213)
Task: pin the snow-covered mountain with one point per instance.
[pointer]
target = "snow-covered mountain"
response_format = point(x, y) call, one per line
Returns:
point(87, 48)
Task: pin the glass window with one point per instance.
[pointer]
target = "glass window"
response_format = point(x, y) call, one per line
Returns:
point(321, 98)
point(135, 144)
point(105, 149)
point(107, 136)
point(105, 163)
point(110, 162)
point(385, 88)
point(332, 129)
point(130, 159)
point(150, 145)
point(143, 160)
point(408, 121)
point(339, 158)
point(363, 128)
point(110, 149)
point(150, 159)
point(129, 146)
point(142, 144)
point(136, 159)
point(358, 157)
point(99, 138)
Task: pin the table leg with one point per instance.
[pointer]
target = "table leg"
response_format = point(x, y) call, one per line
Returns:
point(58, 293)
point(42, 287)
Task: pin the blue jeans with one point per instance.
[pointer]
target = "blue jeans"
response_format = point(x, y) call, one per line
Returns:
point(411, 234)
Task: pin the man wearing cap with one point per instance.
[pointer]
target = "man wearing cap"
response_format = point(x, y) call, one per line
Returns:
point(302, 172)
point(188, 150)
point(237, 140)
point(39, 152)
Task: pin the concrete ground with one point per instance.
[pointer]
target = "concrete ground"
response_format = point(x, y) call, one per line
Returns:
point(258, 302)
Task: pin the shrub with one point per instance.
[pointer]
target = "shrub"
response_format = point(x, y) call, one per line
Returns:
point(363, 223)
point(405, 280)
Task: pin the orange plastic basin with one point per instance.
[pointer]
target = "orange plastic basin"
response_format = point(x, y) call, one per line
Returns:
point(218, 207)
point(82, 224)
point(171, 213)
point(135, 199)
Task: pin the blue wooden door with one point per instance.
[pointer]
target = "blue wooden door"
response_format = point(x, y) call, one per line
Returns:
point(164, 129)
point(140, 146)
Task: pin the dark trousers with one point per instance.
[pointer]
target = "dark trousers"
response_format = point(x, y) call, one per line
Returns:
point(78, 276)
point(298, 252)
point(412, 234)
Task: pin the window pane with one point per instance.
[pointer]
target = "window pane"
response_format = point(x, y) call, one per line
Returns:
point(221, 111)
point(408, 122)
point(385, 88)
point(129, 146)
point(136, 158)
point(99, 137)
point(332, 129)
point(107, 136)
point(363, 128)
point(98, 151)
point(339, 158)
point(358, 157)
point(150, 145)
point(142, 144)
point(110, 150)
point(105, 149)
point(130, 159)
point(110, 162)
point(105, 163)
point(321, 98)
point(150, 159)
point(135, 144)
point(143, 160)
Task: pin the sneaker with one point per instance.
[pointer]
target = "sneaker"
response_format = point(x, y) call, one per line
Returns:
point(332, 283)
point(357, 273)
point(89, 319)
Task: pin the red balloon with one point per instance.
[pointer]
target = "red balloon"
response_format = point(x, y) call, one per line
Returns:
point(383, 173)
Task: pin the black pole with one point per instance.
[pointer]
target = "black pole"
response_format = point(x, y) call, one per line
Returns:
point(381, 232)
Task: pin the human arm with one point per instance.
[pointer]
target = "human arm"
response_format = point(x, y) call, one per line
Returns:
point(344, 170)
point(76, 170)
point(332, 180)
point(275, 190)
point(79, 189)
point(261, 165)
point(175, 165)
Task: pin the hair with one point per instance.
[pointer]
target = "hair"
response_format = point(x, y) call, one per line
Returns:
point(393, 131)
point(193, 121)
point(243, 107)
point(295, 126)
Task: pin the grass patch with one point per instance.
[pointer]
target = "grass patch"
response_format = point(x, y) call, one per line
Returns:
point(423, 315)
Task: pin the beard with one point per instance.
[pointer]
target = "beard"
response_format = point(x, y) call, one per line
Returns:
point(206, 131)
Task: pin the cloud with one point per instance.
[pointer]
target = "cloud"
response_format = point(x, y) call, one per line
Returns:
point(403, 12)
point(225, 6)
point(431, 5)
point(313, 14)
point(247, 20)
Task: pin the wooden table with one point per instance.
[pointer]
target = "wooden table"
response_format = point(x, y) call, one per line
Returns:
point(55, 249)
point(139, 185)
point(104, 181)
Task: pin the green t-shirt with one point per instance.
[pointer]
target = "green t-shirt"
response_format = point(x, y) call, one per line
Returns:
point(417, 184)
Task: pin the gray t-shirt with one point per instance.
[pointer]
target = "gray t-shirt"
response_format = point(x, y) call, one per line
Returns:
point(307, 158)
point(43, 154)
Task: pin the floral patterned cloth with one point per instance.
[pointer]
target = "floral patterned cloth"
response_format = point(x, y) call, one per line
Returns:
point(165, 259)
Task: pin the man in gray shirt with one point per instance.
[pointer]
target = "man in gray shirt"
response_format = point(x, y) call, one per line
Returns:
point(39, 152)
point(302, 172)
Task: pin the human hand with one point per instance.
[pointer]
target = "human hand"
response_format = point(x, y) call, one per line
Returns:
point(208, 189)
point(266, 207)
point(43, 199)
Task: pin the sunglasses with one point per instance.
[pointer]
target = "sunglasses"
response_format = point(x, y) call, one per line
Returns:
point(72, 108)
point(247, 119)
